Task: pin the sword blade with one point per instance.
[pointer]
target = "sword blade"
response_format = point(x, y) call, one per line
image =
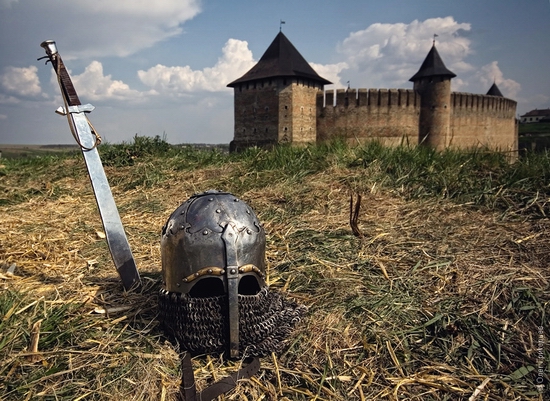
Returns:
point(114, 230)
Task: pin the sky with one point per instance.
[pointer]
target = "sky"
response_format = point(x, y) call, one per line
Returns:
point(161, 68)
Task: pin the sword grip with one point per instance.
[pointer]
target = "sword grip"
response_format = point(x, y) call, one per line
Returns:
point(67, 87)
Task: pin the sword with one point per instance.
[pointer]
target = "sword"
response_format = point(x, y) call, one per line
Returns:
point(88, 140)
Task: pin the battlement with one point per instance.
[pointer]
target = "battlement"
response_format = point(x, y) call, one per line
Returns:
point(482, 103)
point(370, 97)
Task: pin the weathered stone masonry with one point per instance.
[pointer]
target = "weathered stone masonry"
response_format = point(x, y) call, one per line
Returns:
point(391, 116)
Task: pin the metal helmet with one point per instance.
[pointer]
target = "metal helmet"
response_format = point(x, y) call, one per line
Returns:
point(213, 267)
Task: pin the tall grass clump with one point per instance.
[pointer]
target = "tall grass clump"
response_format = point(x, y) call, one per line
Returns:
point(126, 154)
point(476, 176)
point(291, 163)
point(144, 149)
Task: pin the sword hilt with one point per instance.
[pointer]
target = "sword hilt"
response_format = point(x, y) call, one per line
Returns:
point(65, 83)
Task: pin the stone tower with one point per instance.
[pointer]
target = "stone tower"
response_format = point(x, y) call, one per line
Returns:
point(275, 102)
point(433, 83)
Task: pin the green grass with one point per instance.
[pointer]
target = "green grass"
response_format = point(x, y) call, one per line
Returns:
point(535, 128)
point(479, 177)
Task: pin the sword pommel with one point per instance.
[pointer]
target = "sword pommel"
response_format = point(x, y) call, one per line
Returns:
point(50, 47)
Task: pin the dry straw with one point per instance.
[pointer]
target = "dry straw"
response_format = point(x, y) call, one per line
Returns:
point(433, 301)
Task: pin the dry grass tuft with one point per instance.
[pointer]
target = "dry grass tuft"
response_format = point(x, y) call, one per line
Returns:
point(436, 300)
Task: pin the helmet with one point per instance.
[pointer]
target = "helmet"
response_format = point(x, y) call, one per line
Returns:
point(214, 294)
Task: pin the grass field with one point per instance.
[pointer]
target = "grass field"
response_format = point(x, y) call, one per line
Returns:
point(16, 151)
point(442, 294)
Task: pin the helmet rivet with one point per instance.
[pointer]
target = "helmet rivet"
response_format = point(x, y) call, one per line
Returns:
point(197, 274)
point(248, 231)
point(185, 280)
point(218, 211)
point(236, 200)
point(210, 199)
point(233, 271)
point(247, 211)
point(205, 232)
point(209, 271)
point(177, 284)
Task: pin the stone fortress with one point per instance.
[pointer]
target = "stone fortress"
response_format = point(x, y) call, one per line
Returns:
point(282, 100)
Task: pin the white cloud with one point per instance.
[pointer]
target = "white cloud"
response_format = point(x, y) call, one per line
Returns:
point(491, 73)
point(21, 81)
point(389, 54)
point(93, 85)
point(331, 71)
point(99, 28)
point(234, 62)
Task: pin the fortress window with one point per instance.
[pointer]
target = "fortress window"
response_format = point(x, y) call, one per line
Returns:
point(286, 129)
point(286, 107)
point(266, 130)
point(266, 109)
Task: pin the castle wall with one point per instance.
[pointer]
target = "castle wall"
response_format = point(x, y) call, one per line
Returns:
point(482, 120)
point(387, 115)
point(297, 111)
point(393, 117)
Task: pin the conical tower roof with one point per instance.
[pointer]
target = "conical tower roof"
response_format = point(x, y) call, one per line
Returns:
point(432, 66)
point(494, 91)
point(281, 59)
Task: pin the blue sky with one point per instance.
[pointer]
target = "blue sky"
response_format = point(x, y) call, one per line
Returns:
point(161, 68)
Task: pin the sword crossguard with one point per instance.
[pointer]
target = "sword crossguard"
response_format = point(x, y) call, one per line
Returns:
point(86, 108)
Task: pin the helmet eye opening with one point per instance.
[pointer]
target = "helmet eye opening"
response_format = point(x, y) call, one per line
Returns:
point(249, 285)
point(207, 287)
